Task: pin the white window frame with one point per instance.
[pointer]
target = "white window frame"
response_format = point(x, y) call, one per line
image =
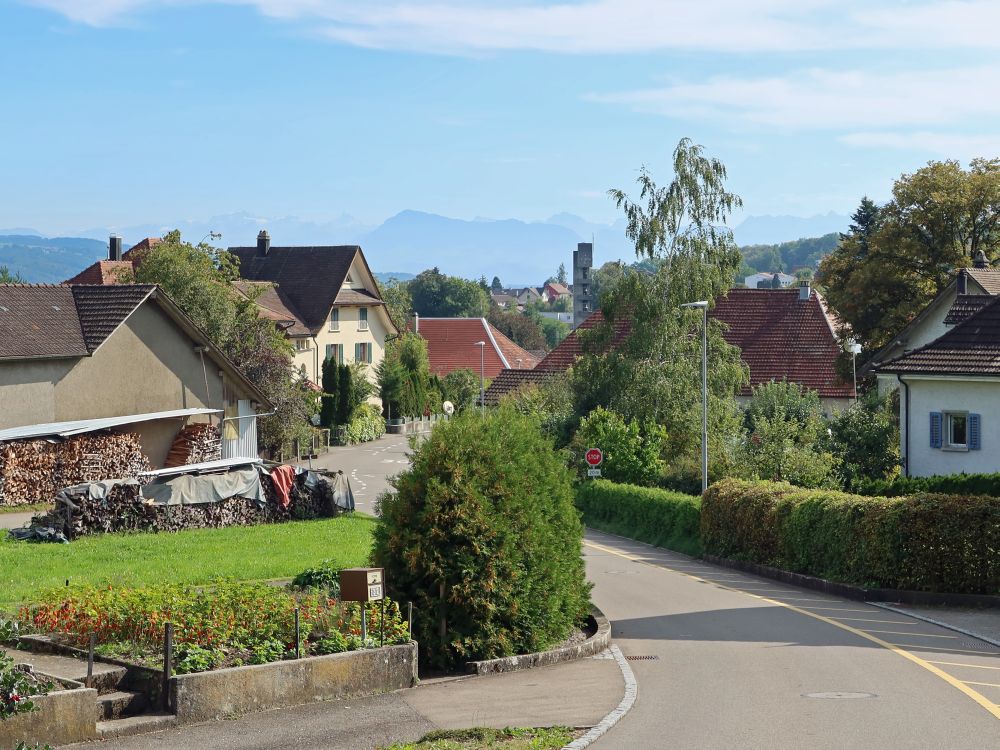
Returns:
point(946, 429)
point(362, 318)
point(302, 345)
point(334, 320)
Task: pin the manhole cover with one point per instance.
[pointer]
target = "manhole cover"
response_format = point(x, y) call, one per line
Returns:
point(975, 645)
point(641, 658)
point(838, 695)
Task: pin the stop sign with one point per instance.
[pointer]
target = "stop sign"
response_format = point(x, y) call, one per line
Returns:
point(594, 456)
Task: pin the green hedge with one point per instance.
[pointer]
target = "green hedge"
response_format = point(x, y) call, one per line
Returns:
point(950, 484)
point(924, 542)
point(666, 519)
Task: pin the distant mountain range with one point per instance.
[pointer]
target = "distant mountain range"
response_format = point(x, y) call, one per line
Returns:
point(519, 252)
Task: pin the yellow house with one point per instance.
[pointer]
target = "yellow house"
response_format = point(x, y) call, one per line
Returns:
point(325, 299)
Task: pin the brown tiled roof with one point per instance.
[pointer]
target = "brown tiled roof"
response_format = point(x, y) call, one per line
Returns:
point(783, 338)
point(509, 381)
point(309, 277)
point(451, 345)
point(987, 278)
point(970, 348)
point(273, 305)
point(39, 321)
point(965, 306)
point(570, 348)
point(356, 297)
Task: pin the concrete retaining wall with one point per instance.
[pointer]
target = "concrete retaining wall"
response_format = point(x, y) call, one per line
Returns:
point(206, 696)
point(597, 643)
point(63, 717)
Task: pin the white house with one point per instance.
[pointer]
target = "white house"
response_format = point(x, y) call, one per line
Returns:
point(950, 398)
point(754, 281)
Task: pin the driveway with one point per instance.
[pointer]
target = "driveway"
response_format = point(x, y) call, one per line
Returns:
point(369, 466)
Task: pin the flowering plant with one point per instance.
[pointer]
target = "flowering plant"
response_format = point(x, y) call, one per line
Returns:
point(17, 687)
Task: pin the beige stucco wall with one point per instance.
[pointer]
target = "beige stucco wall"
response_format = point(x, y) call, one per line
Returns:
point(349, 333)
point(147, 365)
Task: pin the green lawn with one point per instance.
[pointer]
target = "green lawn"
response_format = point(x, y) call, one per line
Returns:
point(195, 557)
point(491, 739)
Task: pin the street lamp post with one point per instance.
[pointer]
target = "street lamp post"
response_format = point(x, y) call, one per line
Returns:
point(703, 306)
point(482, 376)
point(855, 349)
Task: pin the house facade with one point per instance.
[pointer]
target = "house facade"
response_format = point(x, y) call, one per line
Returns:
point(324, 298)
point(553, 290)
point(949, 397)
point(83, 353)
point(765, 280)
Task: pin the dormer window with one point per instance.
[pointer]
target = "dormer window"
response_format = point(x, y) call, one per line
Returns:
point(349, 280)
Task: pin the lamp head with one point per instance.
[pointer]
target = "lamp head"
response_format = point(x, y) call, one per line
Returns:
point(701, 304)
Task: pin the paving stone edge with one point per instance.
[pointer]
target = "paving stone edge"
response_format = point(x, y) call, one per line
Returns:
point(627, 701)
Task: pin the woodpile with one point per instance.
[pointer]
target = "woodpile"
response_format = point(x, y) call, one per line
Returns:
point(33, 471)
point(195, 444)
point(124, 510)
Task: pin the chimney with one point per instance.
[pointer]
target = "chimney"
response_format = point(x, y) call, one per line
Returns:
point(980, 260)
point(963, 281)
point(804, 290)
point(115, 247)
point(263, 243)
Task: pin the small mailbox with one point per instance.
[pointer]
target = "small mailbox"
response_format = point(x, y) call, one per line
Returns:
point(362, 585)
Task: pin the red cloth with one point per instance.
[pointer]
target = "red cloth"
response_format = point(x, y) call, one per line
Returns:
point(284, 477)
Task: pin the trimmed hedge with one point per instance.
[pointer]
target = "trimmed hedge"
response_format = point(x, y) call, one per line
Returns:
point(950, 484)
point(666, 519)
point(924, 542)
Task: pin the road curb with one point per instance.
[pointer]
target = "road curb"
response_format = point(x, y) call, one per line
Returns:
point(627, 701)
point(939, 623)
point(595, 644)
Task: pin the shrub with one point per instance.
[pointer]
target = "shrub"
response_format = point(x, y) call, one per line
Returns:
point(366, 425)
point(550, 402)
point(481, 534)
point(631, 452)
point(325, 576)
point(17, 688)
point(666, 519)
point(951, 484)
point(923, 542)
point(785, 437)
point(865, 441)
point(461, 387)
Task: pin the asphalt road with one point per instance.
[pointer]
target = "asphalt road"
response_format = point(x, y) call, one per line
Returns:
point(744, 662)
point(370, 466)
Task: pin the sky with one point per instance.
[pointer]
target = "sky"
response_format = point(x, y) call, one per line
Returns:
point(115, 112)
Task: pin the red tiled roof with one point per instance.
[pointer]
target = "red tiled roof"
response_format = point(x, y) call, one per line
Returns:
point(451, 345)
point(783, 338)
point(570, 348)
point(509, 381)
point(557, 288)
point(103, 272)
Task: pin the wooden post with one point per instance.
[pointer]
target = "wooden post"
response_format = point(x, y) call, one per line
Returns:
point(89, 682)
point(298, 647)
point(168, 659)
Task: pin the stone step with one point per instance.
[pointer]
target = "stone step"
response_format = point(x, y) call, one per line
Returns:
point(132, 725)
point(120, 704)
point(106, 676)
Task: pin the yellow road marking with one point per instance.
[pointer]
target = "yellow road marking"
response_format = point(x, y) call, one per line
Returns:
point(884, 622)
point(899, 632)
point(987, 684)
point(957, 664)
point(842, 609)
point(989, 705)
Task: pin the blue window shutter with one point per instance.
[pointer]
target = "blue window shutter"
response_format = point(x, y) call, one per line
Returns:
point(340, 354)
point(975, 432)
point(357, 352)
point(936, 429)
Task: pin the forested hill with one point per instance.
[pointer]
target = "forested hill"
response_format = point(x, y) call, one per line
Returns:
point(787, 256)
point(49, 260)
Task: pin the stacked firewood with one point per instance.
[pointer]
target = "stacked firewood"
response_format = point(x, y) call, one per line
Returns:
point(195, 444)
point(33, 471)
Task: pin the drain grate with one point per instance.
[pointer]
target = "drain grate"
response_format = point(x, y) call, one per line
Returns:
point(977, 646)
point(642, 658)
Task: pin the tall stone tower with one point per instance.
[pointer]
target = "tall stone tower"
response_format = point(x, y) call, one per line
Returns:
point(583, 300)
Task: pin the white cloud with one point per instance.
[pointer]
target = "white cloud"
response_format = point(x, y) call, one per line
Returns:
point(952, 145)
point(608, 26)
point(827, 100)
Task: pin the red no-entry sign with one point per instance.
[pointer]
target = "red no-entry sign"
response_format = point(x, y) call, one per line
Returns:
point(594, 456)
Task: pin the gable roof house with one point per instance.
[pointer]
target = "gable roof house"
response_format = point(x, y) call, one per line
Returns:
point(783, 334)
point(452, 345)
point(325, 299)
point(553, 290)
point(79, 358)
point(969, 291)
point(950, 396)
